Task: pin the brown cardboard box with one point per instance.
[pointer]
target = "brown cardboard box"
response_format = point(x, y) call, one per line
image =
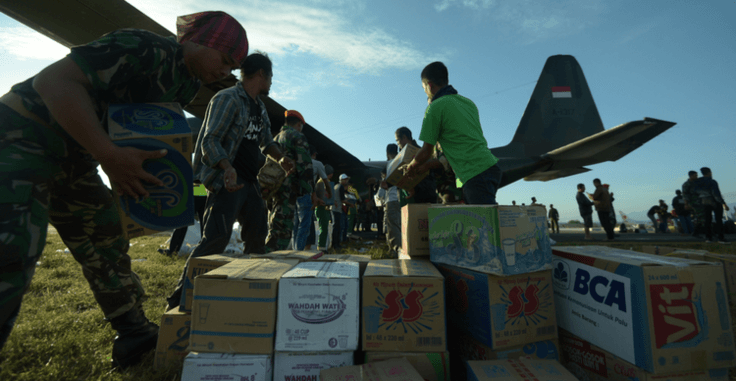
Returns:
point(389, 370)
point(667, 314)
point(234, 307)
point(431, 366)
point(395, 175)
point(500, 312)
point(728, 262)
point(362, 260)
point(199, 266)
point(403, 307)
point(657, 250)
point(415, 230)
point(588, 362)
point(155, 126)
point(468, 348)
point(301, 256)
point(173, 338)
point(518, 370)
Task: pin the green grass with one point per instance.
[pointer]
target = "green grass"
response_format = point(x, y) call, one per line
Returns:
point(61, 333)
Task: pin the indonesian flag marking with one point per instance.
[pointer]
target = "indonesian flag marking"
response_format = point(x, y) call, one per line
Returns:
point(561, 92)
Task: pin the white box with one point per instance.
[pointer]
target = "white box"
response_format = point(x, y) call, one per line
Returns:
point(307, 365)
point(318, 308)
point(226, 366)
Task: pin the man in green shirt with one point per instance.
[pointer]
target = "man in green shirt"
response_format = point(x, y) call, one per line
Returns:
point(453, 121)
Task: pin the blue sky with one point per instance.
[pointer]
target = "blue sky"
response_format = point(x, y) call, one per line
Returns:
point(352, 68)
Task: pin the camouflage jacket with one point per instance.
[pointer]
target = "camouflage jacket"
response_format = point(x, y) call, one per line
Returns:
point(294, 146)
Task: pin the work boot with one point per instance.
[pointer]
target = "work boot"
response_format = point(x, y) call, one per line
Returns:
point(136, 336)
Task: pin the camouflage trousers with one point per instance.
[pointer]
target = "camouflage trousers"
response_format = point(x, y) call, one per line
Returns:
point(281, 209)
point(698, 215)
point(44, 180)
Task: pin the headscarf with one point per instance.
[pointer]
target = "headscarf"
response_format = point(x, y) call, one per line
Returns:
point(216, 30)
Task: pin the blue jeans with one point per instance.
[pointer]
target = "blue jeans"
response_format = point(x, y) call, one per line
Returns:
point(482, 188)
point(303, 221)
point(687, 224)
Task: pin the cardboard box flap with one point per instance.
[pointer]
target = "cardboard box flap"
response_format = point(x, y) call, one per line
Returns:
point(252, 269)
point(342, 269)
point(288, 254)
point(516, 370)
point(402, 268)
point(627, 256)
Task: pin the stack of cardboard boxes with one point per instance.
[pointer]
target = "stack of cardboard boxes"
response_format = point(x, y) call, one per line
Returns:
point(626, 315)
point(496, 261)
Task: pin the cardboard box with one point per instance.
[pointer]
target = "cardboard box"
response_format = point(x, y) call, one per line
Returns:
point(665, 313)
point(307, 365)
point(301, 256)
point(151, 127)
point(500, 312)
point(199, 266)
point(173, 338)
point(403, 307)
point(431, 366)
point(226, 366)
point(468, 348)
point(588, 362)
point(234, 307)
point(415, 230)
point(728, 262)
point(318, 307)
point(498, 240)
point(362, 260)
point(394, 175)
point(389, 370)
point(518, 370)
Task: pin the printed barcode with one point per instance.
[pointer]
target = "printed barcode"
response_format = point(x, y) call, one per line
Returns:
point(260, 286)
point(546, 330)
point(429, 341)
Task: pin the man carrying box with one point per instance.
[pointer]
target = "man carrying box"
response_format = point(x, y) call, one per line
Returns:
point(453, 121)
point(52, 139)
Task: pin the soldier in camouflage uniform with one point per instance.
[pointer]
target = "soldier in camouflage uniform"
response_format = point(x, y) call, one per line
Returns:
point(294, 145)
point(443, 174)
point(52, 137)
point(692, 202)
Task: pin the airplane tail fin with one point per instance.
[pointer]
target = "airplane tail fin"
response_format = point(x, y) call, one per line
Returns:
point(560, 111)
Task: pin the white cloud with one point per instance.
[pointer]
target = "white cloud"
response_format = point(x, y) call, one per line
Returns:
point(26, 44)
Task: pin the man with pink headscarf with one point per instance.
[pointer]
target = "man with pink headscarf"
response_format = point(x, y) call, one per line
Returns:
point(53, 137)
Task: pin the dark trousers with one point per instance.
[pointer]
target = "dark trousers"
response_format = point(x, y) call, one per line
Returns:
point(177, 237)
point(337, 223)
point(482, 188)
point(605, 217)
point(716, 209)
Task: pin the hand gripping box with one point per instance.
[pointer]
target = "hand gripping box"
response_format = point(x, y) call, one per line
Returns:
point(415, 230)
point(500, 312)
point(173, 338)
point(199, 266)
point(152, 127)
point(498, 240)
point(318, 308)
point(234, 307)
point(403, 307)
point(395, 174)
point(226, 366)
point(431, 366)
point(665, 313)
point(518, 370)
point(590, 363)
point(305, 366)
point(389, 370)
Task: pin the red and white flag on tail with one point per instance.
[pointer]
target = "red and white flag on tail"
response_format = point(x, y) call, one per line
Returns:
point(561, 92)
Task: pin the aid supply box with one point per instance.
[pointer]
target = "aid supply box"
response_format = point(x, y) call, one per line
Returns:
point(415, 230)
point(199, 266)
point(226, 366)
point(394, 174)
point(152, 127)
point(665, 313)
point(403, 307)
point(234, 307)
point(431, 366)
point(500, 312)
point(318, 307)
point(307, 365)
point(728, 262)
point(498, 240)
point(173, 338)
point(362, 260)
point(588, 362)
point(389, 370)
point(468, 348)
point(518, 370)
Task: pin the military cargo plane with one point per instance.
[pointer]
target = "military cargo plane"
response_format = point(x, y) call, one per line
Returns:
point(560, 132)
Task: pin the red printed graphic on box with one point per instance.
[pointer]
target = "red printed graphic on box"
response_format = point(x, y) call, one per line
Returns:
point(524, 302)
point(580, 353)
point(408, 307)
point(675, 310)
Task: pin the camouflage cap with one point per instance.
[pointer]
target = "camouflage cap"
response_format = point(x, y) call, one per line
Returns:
point(216, 30)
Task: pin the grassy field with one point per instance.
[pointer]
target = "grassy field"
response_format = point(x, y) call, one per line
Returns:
point(61, 334)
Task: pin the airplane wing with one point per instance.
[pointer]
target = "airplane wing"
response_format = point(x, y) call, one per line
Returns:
point(76, 22)
point(608, 145)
